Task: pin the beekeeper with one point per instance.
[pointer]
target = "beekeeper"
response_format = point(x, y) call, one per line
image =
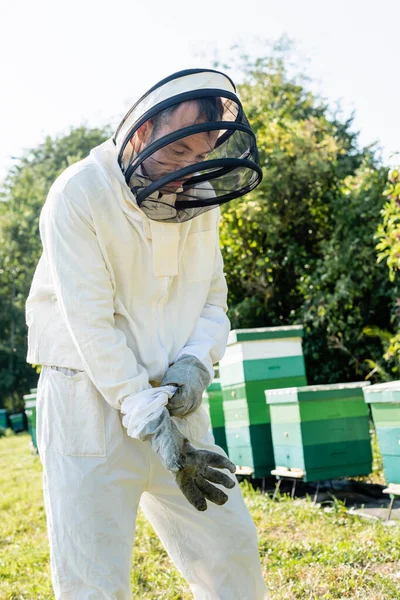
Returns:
point(127, 315)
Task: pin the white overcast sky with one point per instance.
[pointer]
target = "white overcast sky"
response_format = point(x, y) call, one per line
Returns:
point(68, 62)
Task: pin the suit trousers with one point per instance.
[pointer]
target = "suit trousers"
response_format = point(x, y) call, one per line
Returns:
point(94, 478)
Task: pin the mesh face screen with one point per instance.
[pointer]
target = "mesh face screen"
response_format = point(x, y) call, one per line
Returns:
point(184, 157)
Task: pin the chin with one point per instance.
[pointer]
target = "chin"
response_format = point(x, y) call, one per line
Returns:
point(170, 188)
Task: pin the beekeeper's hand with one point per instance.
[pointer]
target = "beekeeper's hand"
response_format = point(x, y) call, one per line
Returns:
point(191, 378)
point(192, 468)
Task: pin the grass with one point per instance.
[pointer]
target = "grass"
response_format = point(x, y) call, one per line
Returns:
point(307, 552)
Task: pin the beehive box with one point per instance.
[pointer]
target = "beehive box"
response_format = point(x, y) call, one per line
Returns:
point(17, 422)
point(212, 401)
point(385, 407)
point(30, 411)
point(3, 418)
point(322, 430)
point(256, 360)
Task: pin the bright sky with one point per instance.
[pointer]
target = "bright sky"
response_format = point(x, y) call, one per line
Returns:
point(68, 62)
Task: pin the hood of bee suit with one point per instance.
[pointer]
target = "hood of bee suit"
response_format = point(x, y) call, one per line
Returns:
point(186, 147)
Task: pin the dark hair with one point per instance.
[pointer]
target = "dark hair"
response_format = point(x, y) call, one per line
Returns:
point(210, 109)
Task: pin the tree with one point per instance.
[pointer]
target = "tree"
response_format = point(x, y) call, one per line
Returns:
point(389, 230)
point(347, 297)
point(300, 247)
point(388, 234)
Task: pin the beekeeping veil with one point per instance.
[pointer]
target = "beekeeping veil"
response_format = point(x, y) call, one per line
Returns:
point(186, 146)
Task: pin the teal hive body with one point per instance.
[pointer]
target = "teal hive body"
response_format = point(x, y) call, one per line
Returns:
point(212, 401)
point(30, 411)
point(256, 360)
point(17, 422)
point(384, 399)
point(3, 418)
point(322, 430)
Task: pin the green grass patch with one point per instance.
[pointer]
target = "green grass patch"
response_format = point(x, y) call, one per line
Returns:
point(306, 552)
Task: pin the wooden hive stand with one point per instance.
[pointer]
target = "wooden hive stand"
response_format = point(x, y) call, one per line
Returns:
point(294, 474)
point(394, 490)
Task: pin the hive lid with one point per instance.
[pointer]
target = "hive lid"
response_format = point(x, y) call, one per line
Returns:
point(264, 333)
point(383, 392)
point(315, 392)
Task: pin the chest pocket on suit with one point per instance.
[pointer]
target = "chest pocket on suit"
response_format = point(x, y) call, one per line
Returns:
point(198, 255)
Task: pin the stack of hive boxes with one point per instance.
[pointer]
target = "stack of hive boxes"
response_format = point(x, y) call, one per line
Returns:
point(322, 430)
point(384, 399)
point(256, 360)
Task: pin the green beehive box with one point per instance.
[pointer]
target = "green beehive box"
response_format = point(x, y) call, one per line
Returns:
point(212, 401)
point(322, 430)
point(384, 399)
point(3, 418)
point(30, 411)
point(17, 422)
point(256, 360)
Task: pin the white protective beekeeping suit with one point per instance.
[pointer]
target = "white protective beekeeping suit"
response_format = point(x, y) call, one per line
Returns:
point(120, 293)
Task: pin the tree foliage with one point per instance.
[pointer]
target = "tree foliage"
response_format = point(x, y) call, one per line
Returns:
point(388, 248)
point(347, 297)
point(300, 248)
point(389, 230)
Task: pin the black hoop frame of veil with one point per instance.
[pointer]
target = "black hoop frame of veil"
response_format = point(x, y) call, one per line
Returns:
point(230, 169)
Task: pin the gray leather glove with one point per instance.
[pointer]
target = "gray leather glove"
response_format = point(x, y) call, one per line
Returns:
point(192, 467)
point(191, 377)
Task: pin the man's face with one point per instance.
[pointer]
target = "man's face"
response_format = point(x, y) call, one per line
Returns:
point(179, 154)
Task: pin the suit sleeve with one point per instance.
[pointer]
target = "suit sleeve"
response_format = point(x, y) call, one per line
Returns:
point(209, 337)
